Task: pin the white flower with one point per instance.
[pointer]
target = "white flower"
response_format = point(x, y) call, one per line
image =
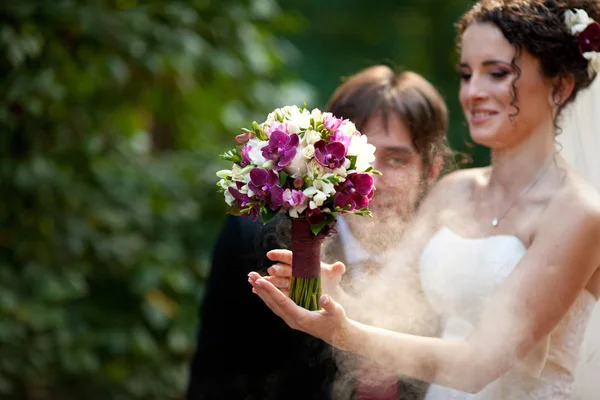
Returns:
point(298, 166)
point(292, 127)
point(359, 145)
point(342, 171)
point(364, 152)
point(348, 128)
point(594, 61)
point(324, 187)
point(317, 196)
point(275, 115)
point(313, 167)
point(241, 174)
point(308, 151)
point(311, 137)
point(301, 119)
point(225, 184)
point(224, 173)
point(316, 114)
point(577, 21)
point(365, 159)
point(229, 199)
point(255, 153)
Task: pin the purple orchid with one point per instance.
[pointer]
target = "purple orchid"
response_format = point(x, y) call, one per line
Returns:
point(265, 185)
point(244, 200)
point(293, 197)
point(338, 136)
point(281, 148)
point(330, 155)
point(589, 39)
point(246, 156)
point(356, 191)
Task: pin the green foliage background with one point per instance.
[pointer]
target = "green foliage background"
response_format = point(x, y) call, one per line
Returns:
point(111, 117)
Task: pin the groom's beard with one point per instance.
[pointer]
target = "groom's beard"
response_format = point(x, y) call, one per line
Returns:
point(392, 212)
point(377, 234)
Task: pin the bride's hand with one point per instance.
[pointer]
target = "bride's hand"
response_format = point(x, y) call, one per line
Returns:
point(281, 272)
point(329, 324)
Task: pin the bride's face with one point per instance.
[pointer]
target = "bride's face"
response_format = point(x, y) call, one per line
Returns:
point(502, 104)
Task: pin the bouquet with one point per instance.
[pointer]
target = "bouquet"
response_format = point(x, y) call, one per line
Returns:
point(310, 165)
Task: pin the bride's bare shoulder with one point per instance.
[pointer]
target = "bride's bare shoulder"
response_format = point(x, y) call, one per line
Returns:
point(577, 200)
point(580, 193)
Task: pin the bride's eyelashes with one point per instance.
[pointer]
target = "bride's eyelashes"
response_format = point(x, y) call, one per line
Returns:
point(498, 75)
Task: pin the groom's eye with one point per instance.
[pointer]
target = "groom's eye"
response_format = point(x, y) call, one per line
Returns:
point(396, 161)
point(465, 76)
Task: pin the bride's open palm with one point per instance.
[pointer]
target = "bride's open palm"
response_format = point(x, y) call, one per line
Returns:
point(328, 324)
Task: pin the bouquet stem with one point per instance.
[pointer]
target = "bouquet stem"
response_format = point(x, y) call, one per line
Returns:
point(305, 286)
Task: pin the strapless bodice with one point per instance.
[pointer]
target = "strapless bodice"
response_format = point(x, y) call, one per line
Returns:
point(458, 274)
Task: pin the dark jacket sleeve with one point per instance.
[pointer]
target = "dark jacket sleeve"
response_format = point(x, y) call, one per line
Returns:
point(245, 351)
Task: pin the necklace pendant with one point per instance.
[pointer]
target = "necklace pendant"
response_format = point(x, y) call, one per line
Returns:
point(495, 222)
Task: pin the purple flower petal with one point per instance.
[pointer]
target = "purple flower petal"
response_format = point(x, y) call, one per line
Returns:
point(275, 197)
point(360, 201)
point(287, 157)
point(331, 122)
point(272, 178)
point(342, 200)
point(246, 156)
point(330, 155)
point(362, 182)
point(589, 39)
point(298, 197)
point(338, 136)
point(278, 139)
point(320, 152)
point(293, 141)
point(259, 176)
point(336, 149)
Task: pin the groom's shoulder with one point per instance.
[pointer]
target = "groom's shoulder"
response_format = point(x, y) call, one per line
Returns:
point(460, 180)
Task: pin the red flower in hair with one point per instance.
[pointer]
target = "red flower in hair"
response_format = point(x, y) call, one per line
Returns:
point(589, 39)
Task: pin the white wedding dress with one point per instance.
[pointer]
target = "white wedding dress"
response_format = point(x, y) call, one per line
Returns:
point(457, 275)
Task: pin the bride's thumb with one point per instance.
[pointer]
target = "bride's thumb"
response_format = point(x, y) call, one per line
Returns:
point(329, 305)
point(338, 268)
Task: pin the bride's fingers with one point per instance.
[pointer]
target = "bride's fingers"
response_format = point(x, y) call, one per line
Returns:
point(280, 304)
point(330, 305)
point(253, 277)
point(278, 282)
point(284, 256)
point(280, 270)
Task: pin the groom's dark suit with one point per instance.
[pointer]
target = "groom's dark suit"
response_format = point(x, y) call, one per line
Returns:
point(244, 350)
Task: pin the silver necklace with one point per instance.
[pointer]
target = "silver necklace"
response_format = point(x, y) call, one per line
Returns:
point(496, 220)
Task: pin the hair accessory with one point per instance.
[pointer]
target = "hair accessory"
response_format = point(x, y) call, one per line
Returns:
point(587, 32)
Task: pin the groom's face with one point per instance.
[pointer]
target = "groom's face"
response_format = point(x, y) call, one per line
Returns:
point(398, 190)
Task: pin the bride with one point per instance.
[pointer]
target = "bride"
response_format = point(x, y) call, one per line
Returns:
point(508, 255)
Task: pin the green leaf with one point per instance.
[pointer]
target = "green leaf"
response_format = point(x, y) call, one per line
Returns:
point(352, 162)
point(282, 178)
point(267, 214)
point(328, 221)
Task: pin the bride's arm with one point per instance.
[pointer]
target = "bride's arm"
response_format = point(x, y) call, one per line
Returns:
point(536, 296)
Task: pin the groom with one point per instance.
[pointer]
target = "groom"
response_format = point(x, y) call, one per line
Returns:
point(245, 351)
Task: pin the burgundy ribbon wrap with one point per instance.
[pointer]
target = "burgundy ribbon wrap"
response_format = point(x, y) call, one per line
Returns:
point(306, 247)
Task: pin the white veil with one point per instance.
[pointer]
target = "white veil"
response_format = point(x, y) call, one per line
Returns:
point(580, 142)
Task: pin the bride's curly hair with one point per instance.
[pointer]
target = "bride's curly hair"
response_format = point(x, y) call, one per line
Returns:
point(538, 27)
